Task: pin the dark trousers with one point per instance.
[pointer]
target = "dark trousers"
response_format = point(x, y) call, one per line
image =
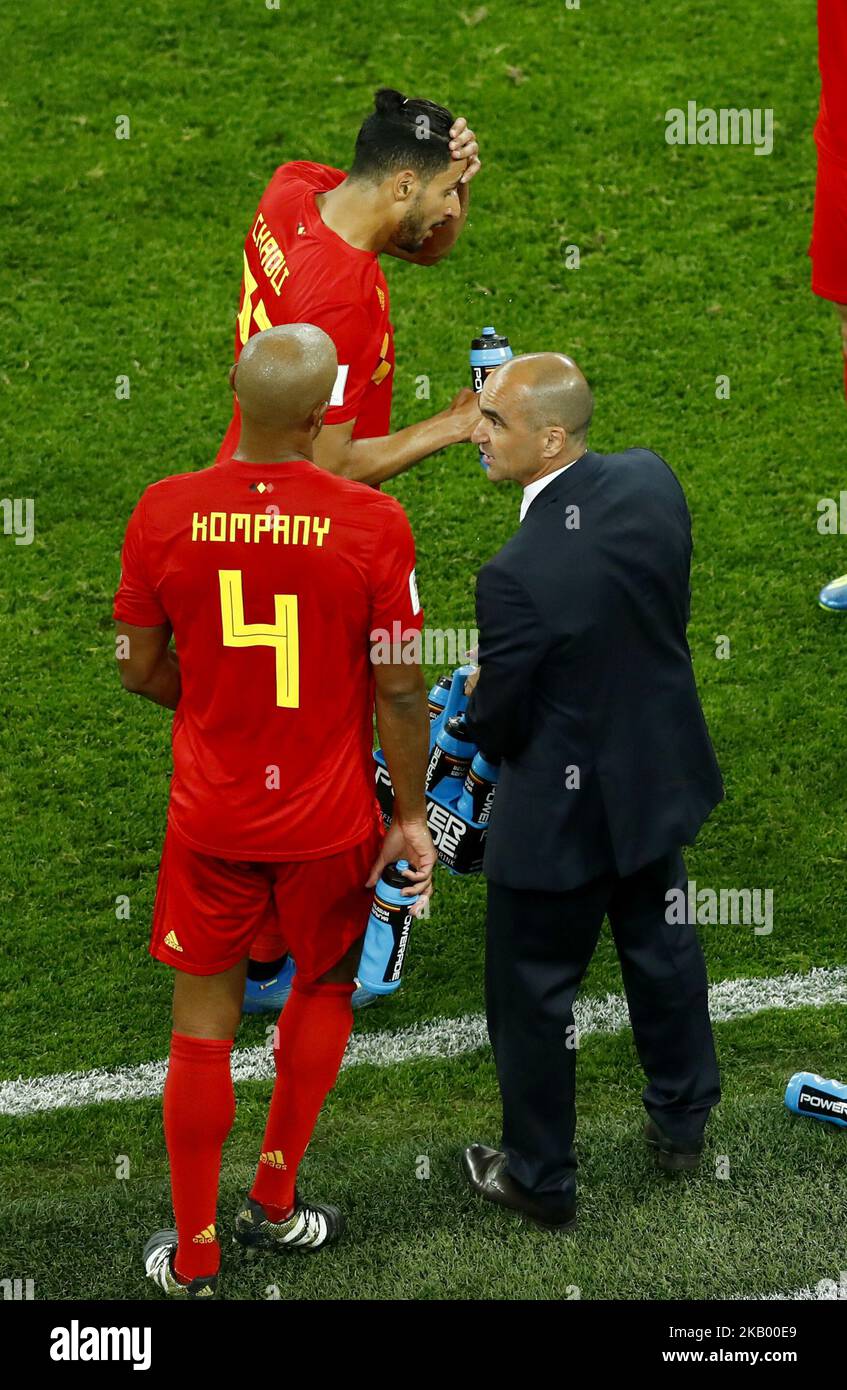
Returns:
point(538, 946)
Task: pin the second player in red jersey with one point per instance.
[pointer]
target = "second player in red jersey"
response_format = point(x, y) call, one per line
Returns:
point(319, 276)
point(312, 256)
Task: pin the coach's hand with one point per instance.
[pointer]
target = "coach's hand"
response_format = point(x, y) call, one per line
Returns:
point(409, 840)
point(463, 145)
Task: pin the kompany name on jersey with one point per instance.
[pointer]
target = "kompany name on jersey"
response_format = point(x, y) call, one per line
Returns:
point(247, 526)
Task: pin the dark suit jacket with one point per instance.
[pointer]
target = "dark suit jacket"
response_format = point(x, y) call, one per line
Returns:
point(587, 678)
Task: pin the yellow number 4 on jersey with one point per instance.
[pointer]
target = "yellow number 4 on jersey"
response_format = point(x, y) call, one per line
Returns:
point(282, 635)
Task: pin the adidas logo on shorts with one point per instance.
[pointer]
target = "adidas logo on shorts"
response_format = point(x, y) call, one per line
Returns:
point(170, 940)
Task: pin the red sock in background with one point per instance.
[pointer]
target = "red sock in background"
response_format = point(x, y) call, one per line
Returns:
point(309, 1044)
point(199, 1108)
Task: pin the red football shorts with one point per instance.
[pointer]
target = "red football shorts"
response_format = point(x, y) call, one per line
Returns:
point(208, 911)
point(828, 248)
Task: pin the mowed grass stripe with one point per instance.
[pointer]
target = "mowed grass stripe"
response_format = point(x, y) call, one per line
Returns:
point(441, 1038)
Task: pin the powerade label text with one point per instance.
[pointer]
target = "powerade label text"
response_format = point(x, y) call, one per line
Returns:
point(398, 920)
point(818, 1102)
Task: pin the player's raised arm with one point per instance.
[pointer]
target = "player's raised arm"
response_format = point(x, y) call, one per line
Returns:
point(374, 460)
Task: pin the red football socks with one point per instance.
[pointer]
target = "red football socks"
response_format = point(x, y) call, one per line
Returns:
point(199, 1108)
point(309, 1044)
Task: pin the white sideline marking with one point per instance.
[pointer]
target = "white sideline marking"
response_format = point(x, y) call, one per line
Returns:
point(824, 1289)
point(439, 1038)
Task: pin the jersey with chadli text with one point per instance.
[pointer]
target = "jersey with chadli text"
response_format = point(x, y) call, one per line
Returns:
point(296, 270)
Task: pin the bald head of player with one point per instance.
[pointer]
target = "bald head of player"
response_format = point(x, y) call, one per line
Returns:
point(283, 380)
point(536, 411)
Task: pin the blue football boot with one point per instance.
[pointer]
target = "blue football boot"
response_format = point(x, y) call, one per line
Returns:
point(833, 596)
point(269, 996)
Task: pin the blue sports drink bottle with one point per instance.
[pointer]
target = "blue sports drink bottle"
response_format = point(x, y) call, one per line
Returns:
point(387, 932)
point(452, 754)
point(457, 700)
point(437, 697)
point(487, 352)
point(810, 1094)
point(477, 796)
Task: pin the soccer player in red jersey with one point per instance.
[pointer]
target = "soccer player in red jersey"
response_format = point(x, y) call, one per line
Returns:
point(275, 577)
point(828, 248)
point(312, 256)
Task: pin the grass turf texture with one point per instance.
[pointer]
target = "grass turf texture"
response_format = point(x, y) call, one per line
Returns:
point(125, 258)
point(641, 1234)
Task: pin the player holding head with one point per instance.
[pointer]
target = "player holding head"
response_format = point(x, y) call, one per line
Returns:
point(312, 255)
point(272, 811)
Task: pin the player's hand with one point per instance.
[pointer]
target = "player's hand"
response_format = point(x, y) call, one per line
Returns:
point(412, 841)
point(471, 680)
point(463, 145)
point(464, 413)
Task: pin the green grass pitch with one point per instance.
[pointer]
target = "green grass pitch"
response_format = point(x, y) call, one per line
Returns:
point(124, 257)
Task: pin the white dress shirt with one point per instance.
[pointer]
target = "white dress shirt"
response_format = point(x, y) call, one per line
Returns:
point(532, 490)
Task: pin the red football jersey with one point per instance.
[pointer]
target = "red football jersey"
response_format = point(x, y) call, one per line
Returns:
point(298, 271)
point(273, 577)
point(831, 128)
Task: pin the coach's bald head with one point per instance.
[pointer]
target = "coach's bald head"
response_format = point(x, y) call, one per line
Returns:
point(536, 413)
point(283, 380)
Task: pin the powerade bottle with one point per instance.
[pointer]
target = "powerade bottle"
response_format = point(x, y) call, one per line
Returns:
point(437, 697)
point(451, 755)
point(387, 932)
point(477, 796)
point(457, 700)
point(487, 352)
point(810, 1094)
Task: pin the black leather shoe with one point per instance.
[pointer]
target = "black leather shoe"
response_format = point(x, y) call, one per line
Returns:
point(485, 1170)
point(672, 1156)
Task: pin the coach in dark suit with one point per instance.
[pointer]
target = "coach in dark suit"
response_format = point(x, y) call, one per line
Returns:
point(586, 692)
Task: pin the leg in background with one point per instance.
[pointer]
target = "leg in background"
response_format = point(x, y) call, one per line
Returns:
point(664, 975)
